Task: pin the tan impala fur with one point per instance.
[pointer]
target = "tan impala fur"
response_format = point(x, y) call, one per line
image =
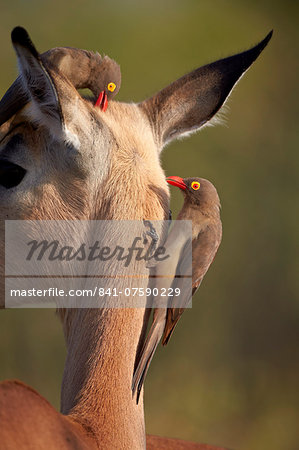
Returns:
point(82, 163)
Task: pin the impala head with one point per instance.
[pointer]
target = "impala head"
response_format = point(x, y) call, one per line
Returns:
point(63, 158)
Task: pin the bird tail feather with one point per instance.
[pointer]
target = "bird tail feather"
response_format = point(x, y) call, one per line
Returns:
point(147, 354)
point(168, 333)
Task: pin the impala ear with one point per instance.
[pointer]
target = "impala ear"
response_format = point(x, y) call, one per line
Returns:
point(188, 103)
point(37, 82)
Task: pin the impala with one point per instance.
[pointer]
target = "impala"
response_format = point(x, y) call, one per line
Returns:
point(61, 158)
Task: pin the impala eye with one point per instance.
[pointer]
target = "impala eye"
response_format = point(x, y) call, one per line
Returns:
point(195, 185)
point(10, 174)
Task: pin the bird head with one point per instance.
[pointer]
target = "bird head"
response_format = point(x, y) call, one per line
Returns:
point(110, 81)
point(196, 191)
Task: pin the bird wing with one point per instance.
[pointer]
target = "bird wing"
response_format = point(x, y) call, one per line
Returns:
point(204, 249)
point(162, 278)
point(152, 340)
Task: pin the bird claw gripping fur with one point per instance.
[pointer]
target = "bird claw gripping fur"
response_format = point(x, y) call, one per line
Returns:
point(154, 238)
point(151, 233)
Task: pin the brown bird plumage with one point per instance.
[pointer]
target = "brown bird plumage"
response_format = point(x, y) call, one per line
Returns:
point(202, 207)
point(86, 69)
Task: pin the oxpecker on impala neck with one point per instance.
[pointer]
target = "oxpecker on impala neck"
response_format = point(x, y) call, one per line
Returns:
point(202, 207)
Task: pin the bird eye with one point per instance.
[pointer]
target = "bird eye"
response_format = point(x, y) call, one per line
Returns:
point(111, 87)
point(195, 185)
point(10, 174)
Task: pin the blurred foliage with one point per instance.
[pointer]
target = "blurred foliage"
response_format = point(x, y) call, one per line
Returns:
point(230, 373)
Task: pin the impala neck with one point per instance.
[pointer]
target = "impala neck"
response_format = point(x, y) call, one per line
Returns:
point(102, 343)
point(96, 387)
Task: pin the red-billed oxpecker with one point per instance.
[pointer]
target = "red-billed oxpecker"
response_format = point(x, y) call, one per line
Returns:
point(85, 69)
point(202, 207)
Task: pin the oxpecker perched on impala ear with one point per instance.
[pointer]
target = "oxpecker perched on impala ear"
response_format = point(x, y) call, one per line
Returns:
point(84, 69)
point(202, 207)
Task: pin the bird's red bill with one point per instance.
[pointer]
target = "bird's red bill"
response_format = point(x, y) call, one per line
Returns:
point(102, 101)
point(177, 181)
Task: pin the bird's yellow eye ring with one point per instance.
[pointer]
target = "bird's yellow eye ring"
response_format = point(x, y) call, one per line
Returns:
point(111, 87)
point(195, 185)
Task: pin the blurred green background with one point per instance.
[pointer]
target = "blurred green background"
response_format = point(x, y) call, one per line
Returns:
point(230, 374)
